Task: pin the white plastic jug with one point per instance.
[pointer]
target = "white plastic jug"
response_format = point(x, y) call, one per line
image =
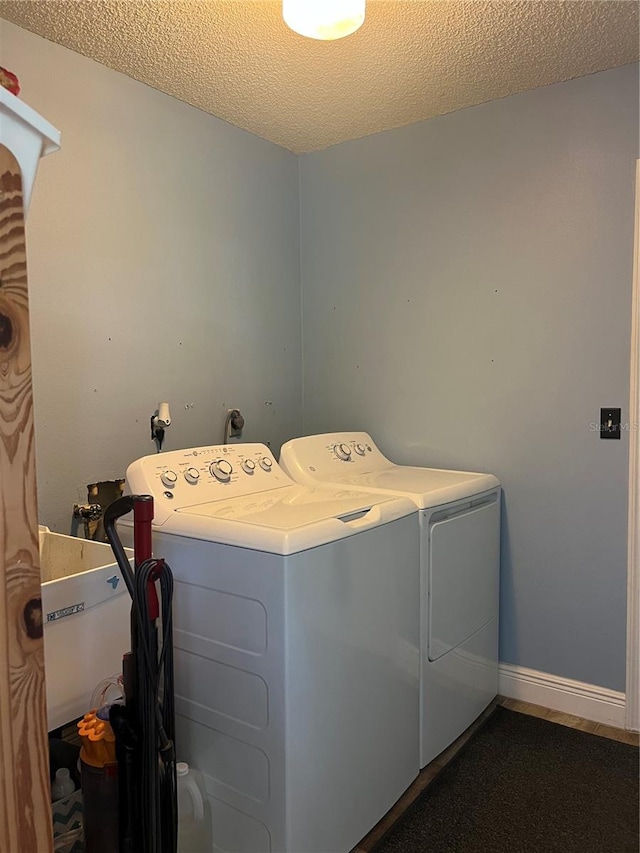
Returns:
point(194, 834)
point(62, 786)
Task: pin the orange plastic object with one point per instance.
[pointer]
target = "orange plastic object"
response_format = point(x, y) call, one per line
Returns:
point(98, 741)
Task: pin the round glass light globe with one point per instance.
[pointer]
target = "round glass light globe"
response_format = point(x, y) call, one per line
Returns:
point(323, 19)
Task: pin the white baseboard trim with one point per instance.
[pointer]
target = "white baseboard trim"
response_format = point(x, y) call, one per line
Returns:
point(589, 701)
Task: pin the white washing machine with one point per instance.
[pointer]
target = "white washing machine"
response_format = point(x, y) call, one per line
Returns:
point(296, 645)
point(459, 516)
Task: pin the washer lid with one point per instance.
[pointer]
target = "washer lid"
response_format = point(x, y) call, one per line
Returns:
point(289, 507)
point(289, 519)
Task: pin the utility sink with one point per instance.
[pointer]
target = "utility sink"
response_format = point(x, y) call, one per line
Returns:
point(86, 610)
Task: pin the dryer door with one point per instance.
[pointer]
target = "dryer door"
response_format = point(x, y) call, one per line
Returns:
point(464, 559)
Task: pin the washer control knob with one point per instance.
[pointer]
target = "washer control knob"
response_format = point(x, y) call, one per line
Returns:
point(221, 470)
point(168, 478)
point(343, 451)
point(192, 475)
point(360, 449)
point(248, 466)
point(266, 464)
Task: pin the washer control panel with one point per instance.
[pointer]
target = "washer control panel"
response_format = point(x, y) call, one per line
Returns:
point(181, 478)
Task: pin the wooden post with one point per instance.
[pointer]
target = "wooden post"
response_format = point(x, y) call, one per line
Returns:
point(25, 810)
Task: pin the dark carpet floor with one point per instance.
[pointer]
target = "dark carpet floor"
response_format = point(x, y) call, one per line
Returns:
point(525, 784)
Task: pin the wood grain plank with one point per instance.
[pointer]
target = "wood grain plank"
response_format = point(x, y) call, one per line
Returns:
point(25, 811)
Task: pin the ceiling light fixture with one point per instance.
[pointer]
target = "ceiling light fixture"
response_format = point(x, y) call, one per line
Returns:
point(323, 19)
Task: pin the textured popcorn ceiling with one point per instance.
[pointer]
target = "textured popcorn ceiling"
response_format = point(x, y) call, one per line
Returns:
point(409, 61)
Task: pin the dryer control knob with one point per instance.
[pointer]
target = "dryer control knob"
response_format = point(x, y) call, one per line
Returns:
point(343, 451)
point(192, 475)
point(168, 478)
point(266, 464)
point(248, 466)
point(360, 449)
point(221, 470)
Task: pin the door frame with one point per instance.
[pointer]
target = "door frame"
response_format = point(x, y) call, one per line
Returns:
point(632, 702)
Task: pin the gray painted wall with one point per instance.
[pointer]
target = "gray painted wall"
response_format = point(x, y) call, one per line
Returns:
point(466, 299)
point(163, 265)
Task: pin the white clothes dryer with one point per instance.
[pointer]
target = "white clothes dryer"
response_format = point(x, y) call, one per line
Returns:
point(459, 516)
point(296, 645)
